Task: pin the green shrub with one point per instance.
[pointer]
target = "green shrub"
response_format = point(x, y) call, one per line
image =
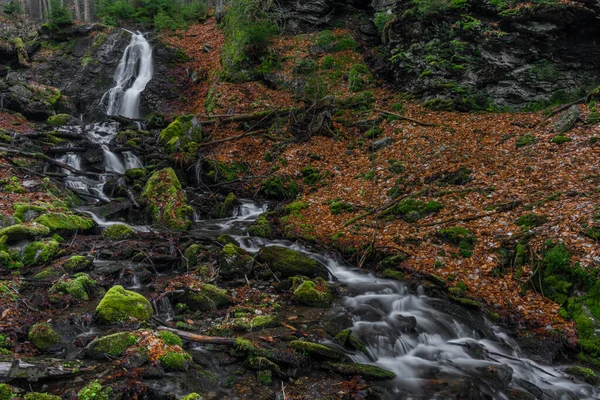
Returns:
point(59, 16)
point(381, 19)
point(12, 7)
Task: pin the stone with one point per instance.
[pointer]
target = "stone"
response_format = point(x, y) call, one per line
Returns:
point(119, 305)
point(235, 262)
point(567, 119)
point(287, 263)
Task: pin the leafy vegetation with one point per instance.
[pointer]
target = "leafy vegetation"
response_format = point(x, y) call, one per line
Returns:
point(160, 14)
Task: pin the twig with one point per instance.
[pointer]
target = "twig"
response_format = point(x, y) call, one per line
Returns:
point(199, 338)
point(405, 118)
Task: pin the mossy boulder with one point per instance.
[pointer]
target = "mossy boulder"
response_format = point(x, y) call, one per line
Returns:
point(263, 364)
point(261, 228)
point(225, 239)
point(184, 130)
point(119, 305)
point(6, 392)
point(366, 371)
point(175, 361)
point(118, 232)
point(81, 287)
point(37, 253)
point(313, 294)
point(166, 200)
point(195, 254)
point(65, 224)
point(585, 374)
point(41, 396)
point(206, 297)
point(95, 391)
point(316, 350)
point(136, 173)
point(43, 336)
point(347, 339)
point(228, 206)
point(256, 323)
point(15, 233)
point(170, 338)
point(110, 346)
point(192, 396)
point(287, 263)
point(78, 264)
point(28, 212)
point(235, 262)
point(279, 188)
point(59, 120)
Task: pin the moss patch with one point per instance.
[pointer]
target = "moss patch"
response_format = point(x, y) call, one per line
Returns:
point(261, 228)
point(65, 223)
point(43, 336)
point(316, 350)
point(235, 262)
point(80, 287)
point(118, 232)
point(256, 323)
point(37, 253)
point(206, 297)
point(119, 305)
point(313, 294)
point(279, 188)
point(180, 134)
point(461, 237)
point(14, 233)
point(170, 338)
point(58, 120)
point(94, 391)
point(112, 345)
point(585, 374)
point(78, 264)
point(166, 200)
point(288, 263)
point(366, 371)
point(173, 361)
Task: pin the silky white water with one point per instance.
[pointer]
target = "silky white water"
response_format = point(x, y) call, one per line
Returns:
point(131, 77)
point(112, 162)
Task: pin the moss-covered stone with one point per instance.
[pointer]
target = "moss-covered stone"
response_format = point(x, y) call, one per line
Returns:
point(37, 253)
point(256, 323)
point(263, 364)
point(194, 254)
point(27, 212)
point(347, 339)
point(43, 336)
point(184, 130)
point(78, 264)
point(81, 287)
point(225, 239)
point(560, 139)
point(316, 350)
point(531, 221)
point(174, 361)
point(364, 370)
point(525, 140)
point(49, 272)
point(15, 233)
point(170, 338)
point(41, 396)
point(261, 228)
point(119, 305)
point(264, 377)
point(235, 262)
point(460, 236)
point(412, 210)
point(65, 223)
point(95, 391)
point(166, 200)
point(287, 263)
point(585, 374)
point(314, 294)
point(229, 204)
point(393, 274)
point(136, 173)
point(118, 232)
point(6, 392)
point(110, 346)
point(58, 120)
point(279, 188)
point(192, 396)
point(205, 298)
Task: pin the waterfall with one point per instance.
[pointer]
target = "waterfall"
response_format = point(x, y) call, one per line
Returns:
point(72, 160)
point(131, 160)
point(131, 77)
point(112, 162)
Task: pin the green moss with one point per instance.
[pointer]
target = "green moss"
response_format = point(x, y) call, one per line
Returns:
point(136, 173)
point(180, 133)
point(65, 223)
point(525, 140)
point(263, 364)
point(111, 345)
point(359, 78)
point(316, 350)
point(12, 185)
point(118, 232)
point(287, 262)
point(15, 233)
point(77, 263)
point(346, 338)
point(412, 210)
point(366, 371)
point(261, 228)
point(37, 253)
point(80, 287)
point(27, 212)
point(49, 272)
point(279, 188)
point(585, 374)
point(314, 294)
point(94, 391)
point(531, 221)
point(167, 200)
point(170, 338)
point(337, 207)
point(257, 323)
point(192, 396)
point(264, 377)
point(393, 274)
point(40, 396)
point(235, 262)
point(311, 175)
point(362, 101)
point(460, 236)
point(58, 120)
point(43, 336)
point(206, 297)
point(226, 209)
point(119, 305)
point(173, 361)
point(560, 139)
point(6, 392)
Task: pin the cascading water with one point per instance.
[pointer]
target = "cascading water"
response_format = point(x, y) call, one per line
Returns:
point(71, 159)
point(436, 349)
point(112, 162)
point(131, 77)
point(131, 160)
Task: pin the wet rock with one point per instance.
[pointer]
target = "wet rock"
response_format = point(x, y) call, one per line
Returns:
point(316, 350)
point(347, 339)
point(496, 377)
point(261, 228)
point(382, 143)
point(256, 323)
point(120, 305)
point(206, 297)
point(78, 264)
point(235, 262)
point(166, 201)
point(65, 224)
point(15, 233)
point(118, 232)
point(313, 294)
point(307, 15)
point(43, 336)
point(287, 263)
point(226, 239)
point(110, 346)
point(366, 371)
point(567, 119)
point(405, 324)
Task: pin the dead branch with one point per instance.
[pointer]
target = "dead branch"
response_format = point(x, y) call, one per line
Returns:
point(232, 138)
point(416, 121)
point(227, 118)
point(199, 338)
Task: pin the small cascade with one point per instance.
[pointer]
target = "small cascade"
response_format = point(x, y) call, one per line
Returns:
point(131, 77)
point(87, 187)
point(163, 308)
point(131, 160)
point(72, 160)
point(112, 162)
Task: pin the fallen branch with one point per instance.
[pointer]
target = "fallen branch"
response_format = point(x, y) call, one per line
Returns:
point(465, 219)
point(232, 138)
point(416, 121)
point(227, 118)
point(194, 337)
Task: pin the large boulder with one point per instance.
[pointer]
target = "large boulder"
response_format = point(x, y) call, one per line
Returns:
point(206, 297)
point(166, 200)
point(120, 305)
point(287, 263)
point(235, 262)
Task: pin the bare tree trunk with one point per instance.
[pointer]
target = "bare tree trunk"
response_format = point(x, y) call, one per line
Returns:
point(86, 11)
point(77, 10)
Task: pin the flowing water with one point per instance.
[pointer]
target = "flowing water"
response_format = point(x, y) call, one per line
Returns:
point(112, 162)
point(131, 77)
point(436, 349)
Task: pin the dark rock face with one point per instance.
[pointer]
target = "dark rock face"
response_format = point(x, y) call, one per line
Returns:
point(466, 58)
